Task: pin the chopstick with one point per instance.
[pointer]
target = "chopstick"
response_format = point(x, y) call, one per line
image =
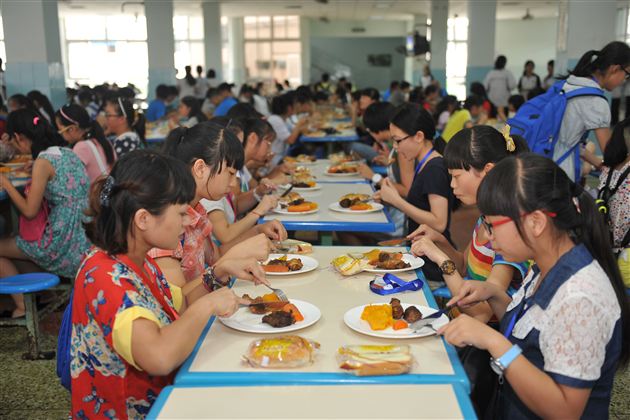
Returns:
point(287, 191)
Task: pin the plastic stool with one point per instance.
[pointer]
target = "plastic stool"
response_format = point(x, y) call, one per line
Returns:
point(29, 284)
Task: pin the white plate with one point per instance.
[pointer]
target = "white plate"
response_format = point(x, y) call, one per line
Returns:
point(352, 319)
point(280, 210)
point(341, 173)
point(416, 262)
point(308, 264)
point(300, 189)
point(375, 207)
point(244, 320)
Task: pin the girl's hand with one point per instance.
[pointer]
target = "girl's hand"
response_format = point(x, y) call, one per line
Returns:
point(426, 247)
point(425, 231)
point(4, 181)
point(274, 230)
point(243, 268)
point(224, 301)
point(389, 193)
point(365, 171)
point(257, 247)
point(381, 160)
point(377, 196)
point(473, 292)
point(268, 203)
point(265, 186)
point(467, 331)
point(5, 138)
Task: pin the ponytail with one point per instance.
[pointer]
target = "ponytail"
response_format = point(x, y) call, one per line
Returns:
point(614, 53)
point(74, 114)
point(96, 132)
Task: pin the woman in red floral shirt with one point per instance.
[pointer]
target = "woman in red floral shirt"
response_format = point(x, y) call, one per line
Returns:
point(130, 332)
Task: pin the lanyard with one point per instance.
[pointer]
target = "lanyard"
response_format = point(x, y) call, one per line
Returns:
point(518, 315)
point(424, 159)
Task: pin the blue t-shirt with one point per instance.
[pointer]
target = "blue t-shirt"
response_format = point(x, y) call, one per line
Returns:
point(156, 110)
point(224, 106)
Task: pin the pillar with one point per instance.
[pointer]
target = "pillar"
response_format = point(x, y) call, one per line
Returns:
point(160, 43)
point(481, 30)
point(212, 37)
point(414, 65)
point(439, 40)
point(33, 47)
point(305, 48)
point(237, 50)
point(583, 26)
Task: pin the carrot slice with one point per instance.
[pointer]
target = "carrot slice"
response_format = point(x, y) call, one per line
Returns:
point(400, 324)
point(297, 315)
point(275, 268)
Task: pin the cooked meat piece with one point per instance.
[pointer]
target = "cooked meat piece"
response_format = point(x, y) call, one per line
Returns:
point(383, 256)
point(397, 310)
point(295, 264)
point(279, 319)
point(345, 203)
point(412, 314)
point(301, 185)
point(258, 308)
point(277, 262)
point(296, 202)
point(392, 264)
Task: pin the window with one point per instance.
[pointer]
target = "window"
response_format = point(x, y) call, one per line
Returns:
point(3, 52)
point(272, 48)
point(189, 46)
point(109, 49)
point(457, 56)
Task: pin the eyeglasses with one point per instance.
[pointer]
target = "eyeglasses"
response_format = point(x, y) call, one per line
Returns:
point(63, 130)
point(491, 226)
point(397, 141)
point(627, 73)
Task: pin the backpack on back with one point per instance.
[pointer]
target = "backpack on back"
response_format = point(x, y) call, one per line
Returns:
point(538, 121)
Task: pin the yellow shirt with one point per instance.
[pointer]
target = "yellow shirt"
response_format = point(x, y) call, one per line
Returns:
point(455, 124)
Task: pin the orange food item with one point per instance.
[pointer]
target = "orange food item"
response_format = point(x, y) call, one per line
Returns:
point(5, 170)
point(361, 206)
point(270, 297)
point(271, 268)
point(400, 324)
point(305, 206)
point(297, 315)
point(378, 316)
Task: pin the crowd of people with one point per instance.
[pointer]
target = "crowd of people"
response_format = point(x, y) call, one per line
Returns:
point(150, 236)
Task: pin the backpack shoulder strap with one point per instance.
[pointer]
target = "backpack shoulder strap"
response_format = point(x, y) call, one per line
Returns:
point(620, 181)
point(585, 91)
point(626, 240)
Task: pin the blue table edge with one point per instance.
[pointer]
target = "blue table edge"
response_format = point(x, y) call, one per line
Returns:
point(186, 377)
point(465, 404)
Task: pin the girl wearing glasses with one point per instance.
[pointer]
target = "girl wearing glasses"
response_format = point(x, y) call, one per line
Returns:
point(430, 199)
point(470, 156)
point(59, 177)
point(565, 332)
point(124, 125)
point(86, 138)
point(604, 69)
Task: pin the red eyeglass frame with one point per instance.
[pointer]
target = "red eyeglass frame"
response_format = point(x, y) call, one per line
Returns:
point(490, 226)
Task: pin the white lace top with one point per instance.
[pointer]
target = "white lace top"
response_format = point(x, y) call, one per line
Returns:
point(577, 324)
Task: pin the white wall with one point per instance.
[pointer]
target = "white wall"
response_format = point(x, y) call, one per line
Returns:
point(522, 40)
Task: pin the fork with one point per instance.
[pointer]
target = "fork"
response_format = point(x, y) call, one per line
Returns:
point(278, 292)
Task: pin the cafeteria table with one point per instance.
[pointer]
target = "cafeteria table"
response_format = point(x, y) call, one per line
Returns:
point(418, 401)
point(327, 221)
point(217, 357)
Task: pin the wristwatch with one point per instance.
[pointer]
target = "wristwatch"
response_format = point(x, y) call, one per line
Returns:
point(211, 281)
point(376, 178)
point(499, 365)
point(448, 267)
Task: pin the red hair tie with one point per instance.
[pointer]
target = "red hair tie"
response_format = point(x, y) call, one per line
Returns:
point(35, 120)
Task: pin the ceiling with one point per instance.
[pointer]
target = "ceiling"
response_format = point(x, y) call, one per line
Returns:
point(332, 9)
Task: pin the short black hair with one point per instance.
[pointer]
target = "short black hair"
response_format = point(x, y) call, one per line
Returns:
point(516, 101)
point(412, 118)
point(162, 91)
point(224, 87)
point(371, 93)
point(473, 100)
point(377, 116)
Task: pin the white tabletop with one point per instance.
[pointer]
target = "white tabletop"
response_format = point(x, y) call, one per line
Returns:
point(330, 220)
point(217, 358)
point(445, 401)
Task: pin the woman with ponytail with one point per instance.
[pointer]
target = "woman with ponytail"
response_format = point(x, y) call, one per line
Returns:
point(124, 125)
point(605, 69)
point(59, 178)
point(565, 332)
point(87, 140)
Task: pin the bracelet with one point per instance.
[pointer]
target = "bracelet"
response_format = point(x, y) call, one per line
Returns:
point(210, 281)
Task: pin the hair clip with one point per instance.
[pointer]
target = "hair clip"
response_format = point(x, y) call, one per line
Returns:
point(107, 191)
point(509, 141)
point(576, 203)
point(35, 120)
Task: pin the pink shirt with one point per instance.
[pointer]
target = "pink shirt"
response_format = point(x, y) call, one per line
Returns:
point(86, 154)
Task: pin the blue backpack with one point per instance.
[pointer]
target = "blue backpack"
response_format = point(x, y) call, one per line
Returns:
point(63, 346)
point(540, 118)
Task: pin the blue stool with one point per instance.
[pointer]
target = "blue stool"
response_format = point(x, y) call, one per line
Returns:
point(29, 284)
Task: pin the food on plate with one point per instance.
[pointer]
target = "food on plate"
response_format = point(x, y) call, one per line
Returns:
point(348, 265)
point(345, 126)
point(303, 180)
point(279, 319)
point(300, 159)
point(302, 207)
point(386, 260)
point(264, 304)
point(337, 158)
point(361, 207)
point(378, 316)
point(21, 159)
point(287, 351)
point(350, 200)
point(293, 246)
point(283, 265)
point(343, 168)
point(271, 304)
point(364, 360)
point(381, 317)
